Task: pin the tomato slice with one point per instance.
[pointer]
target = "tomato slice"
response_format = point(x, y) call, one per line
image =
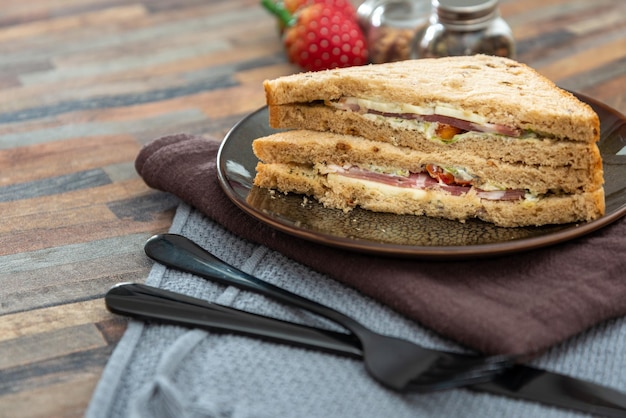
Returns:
point(440, 174)
point(445, 176)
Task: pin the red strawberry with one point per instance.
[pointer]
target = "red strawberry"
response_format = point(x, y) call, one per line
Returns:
point(293, 6)
point(343, 6)
point(321, 37)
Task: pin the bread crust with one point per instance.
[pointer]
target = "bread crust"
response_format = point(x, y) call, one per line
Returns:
point(504, 91)
point(344, 193)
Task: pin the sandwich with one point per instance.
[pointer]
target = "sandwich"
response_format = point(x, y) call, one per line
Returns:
point(457, 137)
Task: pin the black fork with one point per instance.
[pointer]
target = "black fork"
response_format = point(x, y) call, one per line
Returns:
point(396, 363)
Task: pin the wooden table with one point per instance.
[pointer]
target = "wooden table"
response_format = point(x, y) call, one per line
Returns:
point(85, 83)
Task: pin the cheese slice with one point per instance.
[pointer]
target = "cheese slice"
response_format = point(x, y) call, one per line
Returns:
point(435, 109)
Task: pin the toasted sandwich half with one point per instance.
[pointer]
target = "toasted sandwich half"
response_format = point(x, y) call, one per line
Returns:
point(460, 137)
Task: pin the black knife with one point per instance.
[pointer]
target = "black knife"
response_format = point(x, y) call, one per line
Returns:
point(519, 382)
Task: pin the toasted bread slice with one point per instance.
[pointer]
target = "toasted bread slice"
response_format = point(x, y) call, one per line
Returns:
point(345, 193)
point(304, 147)
point(494, 90)
point(498, 148)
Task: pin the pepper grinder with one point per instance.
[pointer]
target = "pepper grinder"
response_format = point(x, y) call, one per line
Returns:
point(464, 27)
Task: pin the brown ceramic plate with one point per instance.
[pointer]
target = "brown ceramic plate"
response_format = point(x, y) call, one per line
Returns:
point(407, 236)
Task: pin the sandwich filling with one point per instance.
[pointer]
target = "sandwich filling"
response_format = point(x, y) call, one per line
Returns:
point(438, 121)
point(454, 181)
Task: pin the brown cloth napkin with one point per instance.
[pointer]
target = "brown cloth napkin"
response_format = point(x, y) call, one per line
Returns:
point(515, 304)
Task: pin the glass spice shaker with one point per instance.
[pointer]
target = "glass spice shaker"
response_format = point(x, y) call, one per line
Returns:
point(464, 27)
point(389, 27)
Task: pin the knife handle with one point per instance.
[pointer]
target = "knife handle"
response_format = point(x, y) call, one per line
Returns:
point(153, 304)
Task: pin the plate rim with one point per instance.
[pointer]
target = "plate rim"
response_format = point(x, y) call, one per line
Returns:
point(416, 251)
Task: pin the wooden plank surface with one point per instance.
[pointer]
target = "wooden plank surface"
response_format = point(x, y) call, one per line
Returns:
point(85, 83)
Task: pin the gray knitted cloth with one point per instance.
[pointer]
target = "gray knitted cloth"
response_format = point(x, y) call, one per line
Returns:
point(169, 371)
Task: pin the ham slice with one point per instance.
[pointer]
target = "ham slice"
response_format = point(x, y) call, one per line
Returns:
point(423, 181)
point(461, 124)
point(509, 194)
point(471, 126)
